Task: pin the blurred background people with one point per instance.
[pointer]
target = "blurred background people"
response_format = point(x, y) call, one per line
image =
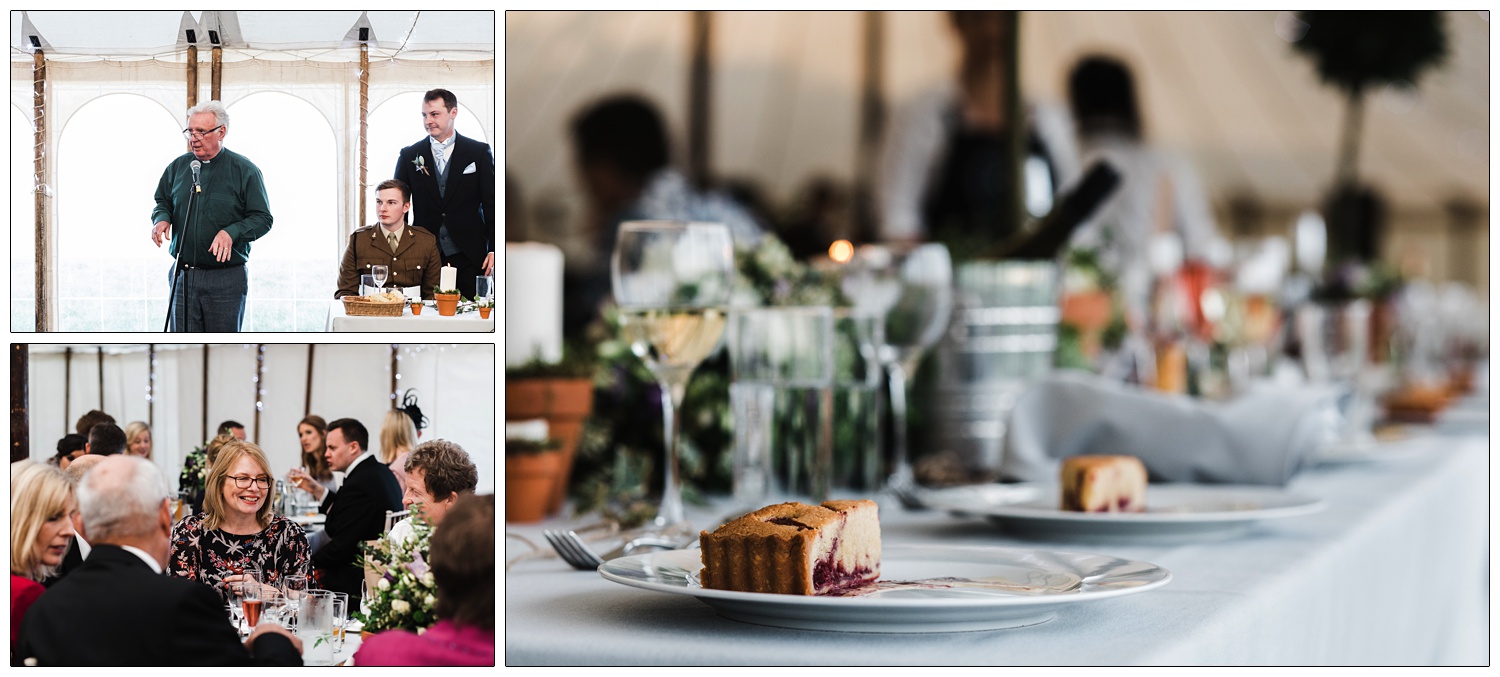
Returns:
point(237, 529)
point(41, 527)
point(463, 562)
point(87, 421)
point(622, 156)
point(106, 439)
point(397, 436)
point(138, 439)
point(70, 448)
point(234, 428)
point(311, 433)
point(943, 161)
point(437, 474)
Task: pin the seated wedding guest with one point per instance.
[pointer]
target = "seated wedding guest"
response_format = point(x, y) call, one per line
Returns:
point(153, 620)
point(106, 439)
point(78, 548)
point(621, 154)
point(41, 524)
point(237, 529)
point(70, 448)
point(234, 428)
point(410, 254)
point(398, 435)
point(463, 563)
point(138, 439)
point(437, 474)
point(311, 432)
point(356, 511)
point(87, 421)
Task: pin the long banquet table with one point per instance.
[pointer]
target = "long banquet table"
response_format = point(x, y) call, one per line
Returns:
point(1393, 572)
point(429, 320)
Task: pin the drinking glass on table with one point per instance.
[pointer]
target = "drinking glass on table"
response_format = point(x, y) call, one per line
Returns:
point(912, 285)
point(340, 617)
point(315, 627)
point(380, 273)
point(295, 588)
point(366, 284)
point(672, 283)
point(251, 603)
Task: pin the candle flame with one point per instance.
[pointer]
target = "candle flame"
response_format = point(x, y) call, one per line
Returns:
point(841, 251)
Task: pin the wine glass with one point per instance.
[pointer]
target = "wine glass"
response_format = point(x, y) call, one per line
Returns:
point(380, 272)
point(672, 283)
point(250, 602)
point(912, 286)
point(295, 588)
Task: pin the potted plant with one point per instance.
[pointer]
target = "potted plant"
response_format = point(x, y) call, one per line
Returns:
point(416, 307)
point(485, 305)
point(562, 393)
point(447, 301)
point(533, 472)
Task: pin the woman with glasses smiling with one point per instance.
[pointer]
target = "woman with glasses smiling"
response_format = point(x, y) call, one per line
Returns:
point(237, 533)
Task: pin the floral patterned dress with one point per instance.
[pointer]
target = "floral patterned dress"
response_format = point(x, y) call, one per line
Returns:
point(280, 550)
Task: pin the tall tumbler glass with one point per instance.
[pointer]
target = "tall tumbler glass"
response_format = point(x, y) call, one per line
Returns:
point(315, 627)
point(857, 403)
point(781, 362)
point(672, 282)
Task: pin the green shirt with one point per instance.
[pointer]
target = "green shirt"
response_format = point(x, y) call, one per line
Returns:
point(233, 200)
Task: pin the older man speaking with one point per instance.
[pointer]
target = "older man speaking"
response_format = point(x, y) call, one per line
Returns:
point(211, 203)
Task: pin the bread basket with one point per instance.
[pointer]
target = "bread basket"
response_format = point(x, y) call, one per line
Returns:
point(361, 306)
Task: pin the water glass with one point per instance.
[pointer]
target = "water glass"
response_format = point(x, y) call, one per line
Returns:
point(315, 627)
point(484, 287)
point(367, 285)
point(295, 588)
point(340, 617)
point(781, 395)
point(858, 466)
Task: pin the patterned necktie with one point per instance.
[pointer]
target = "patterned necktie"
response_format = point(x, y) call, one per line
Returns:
point(439, 157)
point(391, 238)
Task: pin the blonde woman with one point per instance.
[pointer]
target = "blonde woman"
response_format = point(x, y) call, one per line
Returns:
point(138, 439)
point(237, 530)
point(41, 529)
point(398, 434)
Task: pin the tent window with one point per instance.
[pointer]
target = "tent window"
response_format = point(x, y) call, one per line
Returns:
point(397, 123)
point(22, 220)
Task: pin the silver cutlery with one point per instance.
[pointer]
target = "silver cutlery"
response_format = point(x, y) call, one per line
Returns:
point(576, 553)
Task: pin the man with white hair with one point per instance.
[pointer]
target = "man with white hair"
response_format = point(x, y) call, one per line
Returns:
point(153, 619)
point(210, 243)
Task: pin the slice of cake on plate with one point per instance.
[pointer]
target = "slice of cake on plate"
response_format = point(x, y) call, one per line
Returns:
point(1103, 484)
point(795, 549)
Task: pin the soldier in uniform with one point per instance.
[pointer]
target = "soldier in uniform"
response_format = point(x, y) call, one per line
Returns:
point(411, 254)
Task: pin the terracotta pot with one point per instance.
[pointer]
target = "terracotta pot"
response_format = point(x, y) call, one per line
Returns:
point(565, 403)
point(416, 308)
point(365, 635)
point(530, 480)
point(1089, 311)
point(447, 304)
point(484, 313)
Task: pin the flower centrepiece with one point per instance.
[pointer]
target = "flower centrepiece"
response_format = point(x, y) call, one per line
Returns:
point(404, 595)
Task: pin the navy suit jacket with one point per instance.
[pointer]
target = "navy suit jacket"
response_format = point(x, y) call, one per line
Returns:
point(355, 513)
point(114, 610)
point(467, 203)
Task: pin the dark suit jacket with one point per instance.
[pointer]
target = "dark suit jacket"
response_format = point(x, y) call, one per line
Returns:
point(356, 513)
point(151, 620)
point(467, 204)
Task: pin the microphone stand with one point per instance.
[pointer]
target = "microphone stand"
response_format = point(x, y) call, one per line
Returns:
point(177, 260)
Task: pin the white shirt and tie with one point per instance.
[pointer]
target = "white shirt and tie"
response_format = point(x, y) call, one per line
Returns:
point(441, 151)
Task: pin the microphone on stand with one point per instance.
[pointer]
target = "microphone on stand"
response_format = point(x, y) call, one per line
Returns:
point(177, 260)
point(196, 165)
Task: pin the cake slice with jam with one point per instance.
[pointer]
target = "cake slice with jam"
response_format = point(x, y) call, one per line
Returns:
point(1103, 484)
point(795, 549)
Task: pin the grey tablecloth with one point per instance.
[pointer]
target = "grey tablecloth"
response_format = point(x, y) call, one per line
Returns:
point(1393, 572)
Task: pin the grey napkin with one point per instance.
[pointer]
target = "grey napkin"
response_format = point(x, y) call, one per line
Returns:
point(1263, 436)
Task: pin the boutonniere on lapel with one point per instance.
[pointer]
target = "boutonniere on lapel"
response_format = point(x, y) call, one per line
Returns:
point(421, 165)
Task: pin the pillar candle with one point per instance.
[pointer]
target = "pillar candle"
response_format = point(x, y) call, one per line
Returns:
point(533, 303)
point(448, 278)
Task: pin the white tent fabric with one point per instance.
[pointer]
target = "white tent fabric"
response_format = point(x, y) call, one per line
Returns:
point(1223, 89)
point(455, 385)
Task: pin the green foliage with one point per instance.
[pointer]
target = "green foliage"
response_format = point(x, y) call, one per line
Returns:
point(404, 596)
point(1355, 51)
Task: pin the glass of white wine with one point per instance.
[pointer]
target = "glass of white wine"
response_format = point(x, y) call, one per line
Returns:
point(672, 281)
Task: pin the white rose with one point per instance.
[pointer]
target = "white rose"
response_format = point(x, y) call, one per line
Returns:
point(400, 606)
point(427, 578)
point(429, 601)
point(383, 584)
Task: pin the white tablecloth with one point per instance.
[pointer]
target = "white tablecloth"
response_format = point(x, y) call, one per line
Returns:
point(1393, 572)
point(429, 320)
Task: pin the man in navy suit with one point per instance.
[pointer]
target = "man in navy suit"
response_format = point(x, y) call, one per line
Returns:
point(153, 620)
point(452, 180)
point(356, 511)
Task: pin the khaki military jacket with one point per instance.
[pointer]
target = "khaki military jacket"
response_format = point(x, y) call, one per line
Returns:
point(416, 261)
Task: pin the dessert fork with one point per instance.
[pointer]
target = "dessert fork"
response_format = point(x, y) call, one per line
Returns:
point(575, 552)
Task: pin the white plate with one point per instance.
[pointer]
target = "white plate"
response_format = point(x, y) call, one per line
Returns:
point(308, 520)
point(1046, 582)
point(1173, 511)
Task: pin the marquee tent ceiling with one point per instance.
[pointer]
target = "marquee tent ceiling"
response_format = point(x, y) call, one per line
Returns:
point(1225, 89)
point(317, 35)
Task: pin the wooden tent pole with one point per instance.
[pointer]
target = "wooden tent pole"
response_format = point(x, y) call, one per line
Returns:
point(871, 122)
point(700, 90)
point(260, 373)
point(67, 387)
point(364, 117)
point(192, 76)
point(151, 385)
point(394, 384)
point(215, 72)
point(1015, 121)
point(20, 431)
point(39, 184)
point(205, 391)
point(101, 378)
point(307, 393)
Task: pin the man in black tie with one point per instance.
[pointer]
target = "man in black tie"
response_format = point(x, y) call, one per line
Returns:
point(356, 511)
point(154, 620)
point(452, 180)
